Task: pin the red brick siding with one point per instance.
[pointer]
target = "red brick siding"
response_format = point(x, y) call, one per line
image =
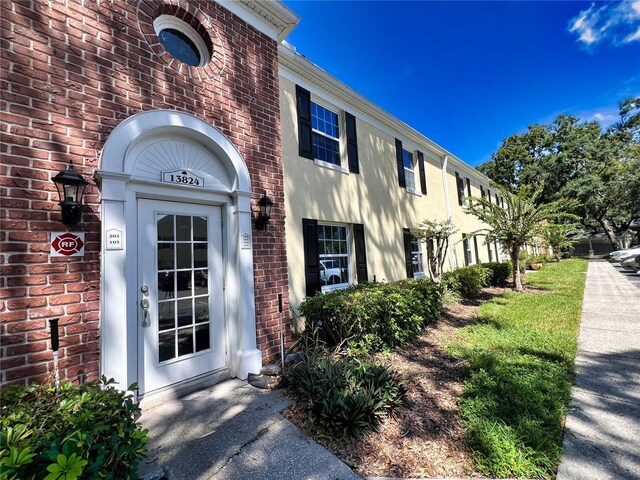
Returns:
point(70, 73)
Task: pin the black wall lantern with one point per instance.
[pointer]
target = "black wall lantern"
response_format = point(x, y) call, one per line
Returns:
point(264, 215)
point(70, 185)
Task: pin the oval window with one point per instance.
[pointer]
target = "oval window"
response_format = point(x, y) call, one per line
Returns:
point(179, 46)
point(181, 41)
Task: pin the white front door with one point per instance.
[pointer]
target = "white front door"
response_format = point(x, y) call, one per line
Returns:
point(180, 292)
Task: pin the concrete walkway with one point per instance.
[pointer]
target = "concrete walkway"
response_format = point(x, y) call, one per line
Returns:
point(602, 436)
point(233, 431)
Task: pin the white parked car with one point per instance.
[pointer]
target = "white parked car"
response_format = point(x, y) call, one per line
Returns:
point(620, 254)
point(631, 262)
point(330, 272)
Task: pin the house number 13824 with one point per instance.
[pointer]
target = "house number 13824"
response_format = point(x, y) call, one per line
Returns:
point(183, 177)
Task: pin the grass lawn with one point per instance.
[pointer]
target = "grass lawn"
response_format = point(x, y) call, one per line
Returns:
point(521, 356)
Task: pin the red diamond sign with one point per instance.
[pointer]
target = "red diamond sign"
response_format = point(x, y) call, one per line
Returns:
point(67, 244)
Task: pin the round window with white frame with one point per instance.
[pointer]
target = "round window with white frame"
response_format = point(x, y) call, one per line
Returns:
point(181, 41)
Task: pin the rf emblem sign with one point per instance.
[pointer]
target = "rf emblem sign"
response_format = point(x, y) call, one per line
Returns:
point(67, 244)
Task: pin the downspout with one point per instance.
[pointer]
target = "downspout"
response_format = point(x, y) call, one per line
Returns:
point(453, 259)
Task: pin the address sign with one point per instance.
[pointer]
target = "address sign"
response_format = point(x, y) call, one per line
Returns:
point(183, 177)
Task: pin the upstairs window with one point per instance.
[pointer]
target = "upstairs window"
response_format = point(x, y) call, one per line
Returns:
point(409, 164)
point(409, 170)
point(320, 134)
point(325, 129)
point(460, 189)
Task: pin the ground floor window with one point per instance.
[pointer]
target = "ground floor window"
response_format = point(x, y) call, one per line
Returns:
point(417, 258)
point(333, 250)
point(466, 246)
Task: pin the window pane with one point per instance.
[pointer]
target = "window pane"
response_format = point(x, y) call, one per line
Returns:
point(202, 337)
point(326, 149)
point(200, 255)
point(167, 345)
point(202, 309)
point(184, 255)
point(183, 228)
point(165, 285)
point(199, 229)
point(165, 256)
point(185, 314)
point(166, 315)
point(165, 228)
point(184, 284)
point(185, 341)
point(201, 282)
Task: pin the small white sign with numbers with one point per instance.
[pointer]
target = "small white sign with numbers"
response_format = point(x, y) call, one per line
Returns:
point(183, 177)
point(114, 239)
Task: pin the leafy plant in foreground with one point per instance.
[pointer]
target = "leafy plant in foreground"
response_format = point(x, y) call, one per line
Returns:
point(87, 432)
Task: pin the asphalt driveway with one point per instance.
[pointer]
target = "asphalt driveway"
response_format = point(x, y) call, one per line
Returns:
point(634, 278)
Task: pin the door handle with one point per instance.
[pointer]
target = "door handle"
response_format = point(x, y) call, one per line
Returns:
point(144, 303)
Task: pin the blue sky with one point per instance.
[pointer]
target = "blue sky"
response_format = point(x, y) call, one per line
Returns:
point(469, 74)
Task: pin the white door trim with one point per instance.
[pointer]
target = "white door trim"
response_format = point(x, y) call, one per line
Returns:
point(122, 184)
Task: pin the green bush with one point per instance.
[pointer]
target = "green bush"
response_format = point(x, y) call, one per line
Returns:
point(346, 397)
point(371, 317)
point(467, 281)
point(85, 432)
point(499, 273)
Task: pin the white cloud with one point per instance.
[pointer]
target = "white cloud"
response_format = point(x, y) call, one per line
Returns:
point(604, 116)
point(616, 22)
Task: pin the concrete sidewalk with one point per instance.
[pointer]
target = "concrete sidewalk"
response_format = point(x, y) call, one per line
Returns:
point(602, 436)
point(233, 431)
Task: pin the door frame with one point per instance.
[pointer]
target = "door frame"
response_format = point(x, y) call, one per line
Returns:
point(124, 177)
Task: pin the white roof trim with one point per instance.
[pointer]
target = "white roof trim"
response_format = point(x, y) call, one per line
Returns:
point(271, 17)
point(293, 64)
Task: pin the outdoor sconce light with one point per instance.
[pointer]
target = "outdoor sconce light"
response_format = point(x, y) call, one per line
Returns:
point(70, 185)
point(264, 216)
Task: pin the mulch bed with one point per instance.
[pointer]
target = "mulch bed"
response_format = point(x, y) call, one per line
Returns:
point(425, 439)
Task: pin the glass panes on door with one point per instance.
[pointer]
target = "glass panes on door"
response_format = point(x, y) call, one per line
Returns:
point(183, 286)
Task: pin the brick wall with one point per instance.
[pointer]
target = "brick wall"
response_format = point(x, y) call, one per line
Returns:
point(70, 73)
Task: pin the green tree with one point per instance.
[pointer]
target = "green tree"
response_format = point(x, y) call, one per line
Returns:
point(521, 221)
point(580, 161)
point(558, 237)
point(436, 235)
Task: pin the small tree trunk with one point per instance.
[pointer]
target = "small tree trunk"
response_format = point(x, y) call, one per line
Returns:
point(517, 280)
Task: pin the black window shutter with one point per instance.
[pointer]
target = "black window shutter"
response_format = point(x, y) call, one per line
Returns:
point(352, 143)
point(361, 253)
point(482, 193)
point(303, 102)
point(406, 237)
point(475, 248)
point(460, 188)
point(311, 257)
point(489, 249)
point(468, 187)
point(400, 162)
point(489, 195)
point(423, 175)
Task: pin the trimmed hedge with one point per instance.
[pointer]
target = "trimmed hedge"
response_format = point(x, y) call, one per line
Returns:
point(85, 432)
point(371, 317)
point(346, 397)
point(499, 273)
point(466, 281)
